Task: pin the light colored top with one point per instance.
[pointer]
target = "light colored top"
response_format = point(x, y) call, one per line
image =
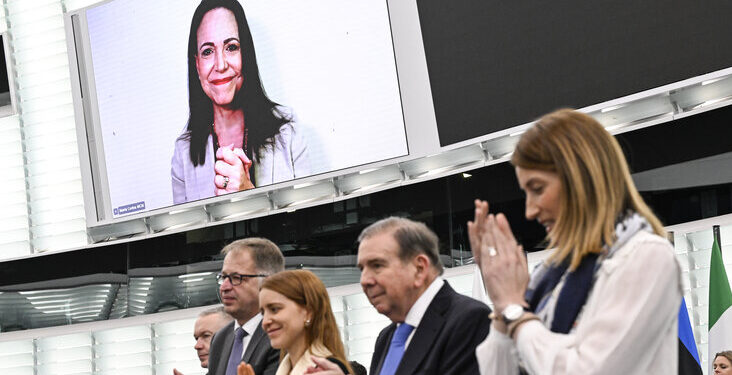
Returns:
point(285, 159)
point(627, 326)
point(305, 361)
point(249, 327)
point(416, 313)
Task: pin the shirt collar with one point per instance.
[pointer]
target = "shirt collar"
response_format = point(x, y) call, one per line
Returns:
point(416, 313)
point(251, 325)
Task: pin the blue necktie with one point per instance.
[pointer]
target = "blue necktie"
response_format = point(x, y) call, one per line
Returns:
point(396, 349)
point(236, 351)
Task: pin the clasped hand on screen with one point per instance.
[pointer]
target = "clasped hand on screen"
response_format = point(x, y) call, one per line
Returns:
point(232, 170)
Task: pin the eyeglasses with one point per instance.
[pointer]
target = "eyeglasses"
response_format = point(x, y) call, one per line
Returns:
point(235, 278)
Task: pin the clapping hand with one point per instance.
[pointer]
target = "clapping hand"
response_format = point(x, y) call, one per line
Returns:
point(323, 367)
point(232, 170)
point(501, 260)
point(244, 369)
point(477, 229)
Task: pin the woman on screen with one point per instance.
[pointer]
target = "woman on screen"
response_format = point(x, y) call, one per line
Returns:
point(236, 137)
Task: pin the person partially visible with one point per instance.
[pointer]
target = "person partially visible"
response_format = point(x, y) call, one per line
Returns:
point(207, 324)
point(297, 316)
point(722, 364)
point(358, 368)
point(607, 299)
point(434, 329)
point(247, 263)
point(236, 137)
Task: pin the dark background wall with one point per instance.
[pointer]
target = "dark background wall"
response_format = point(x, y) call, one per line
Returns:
point(445, 204)
point(497, 64)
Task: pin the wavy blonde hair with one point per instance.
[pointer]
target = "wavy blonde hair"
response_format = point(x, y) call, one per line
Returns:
point(596, 184)
point(306, 290)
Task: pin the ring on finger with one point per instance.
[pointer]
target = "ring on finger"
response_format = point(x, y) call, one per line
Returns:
point(492, 251)
point(226, 181)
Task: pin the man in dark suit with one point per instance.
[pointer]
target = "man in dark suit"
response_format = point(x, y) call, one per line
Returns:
point(246, 263)
point(435, 330)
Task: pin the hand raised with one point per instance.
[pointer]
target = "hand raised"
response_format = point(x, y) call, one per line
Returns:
point(244, 369)
point(323, 367)
point(503, 264)
point(477, 228)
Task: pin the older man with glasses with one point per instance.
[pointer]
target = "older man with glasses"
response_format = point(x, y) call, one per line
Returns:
point(246, 263)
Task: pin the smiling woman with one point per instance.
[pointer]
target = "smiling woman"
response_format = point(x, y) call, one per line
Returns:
point(236, 137)
point(298, 319)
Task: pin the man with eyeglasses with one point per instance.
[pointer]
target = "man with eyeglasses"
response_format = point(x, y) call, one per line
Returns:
point(246, 263)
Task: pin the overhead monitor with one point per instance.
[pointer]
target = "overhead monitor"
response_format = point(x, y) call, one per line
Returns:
point(183, 101)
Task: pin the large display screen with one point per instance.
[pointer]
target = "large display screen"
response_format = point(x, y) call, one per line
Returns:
point(198, 99)
point(495, 65)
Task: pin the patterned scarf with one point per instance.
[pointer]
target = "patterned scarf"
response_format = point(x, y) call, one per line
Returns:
point(575, 285)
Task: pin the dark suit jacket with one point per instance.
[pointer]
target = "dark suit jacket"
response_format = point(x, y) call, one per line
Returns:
point(259, 352)
point(444, 342)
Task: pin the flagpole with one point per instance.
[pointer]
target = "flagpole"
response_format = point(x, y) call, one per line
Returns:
point(715, 233)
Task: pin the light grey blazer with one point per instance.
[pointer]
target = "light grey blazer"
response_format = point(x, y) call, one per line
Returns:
point(285, 159)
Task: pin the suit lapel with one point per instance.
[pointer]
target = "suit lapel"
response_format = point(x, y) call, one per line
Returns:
point(228, 343)
point(425, 334)
point(257, 337)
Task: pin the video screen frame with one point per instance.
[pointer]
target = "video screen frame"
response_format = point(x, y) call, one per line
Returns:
point(413, 85)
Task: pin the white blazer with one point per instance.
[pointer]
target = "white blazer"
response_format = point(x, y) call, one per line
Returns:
point(285, 159)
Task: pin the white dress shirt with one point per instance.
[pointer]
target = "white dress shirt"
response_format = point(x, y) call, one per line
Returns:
point(249, 327)
point(627, 326)
point(416, 313)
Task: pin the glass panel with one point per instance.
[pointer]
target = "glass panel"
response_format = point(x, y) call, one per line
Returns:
point(65, 355)
point(27, 370)
point(137, 370)
point(50, 344)
point(122, 348)
point(10, 348)
point(122, 334)
point(16, 360)
point(184, 326)
point(175, 341)
point(64, 368)
point(126, 361)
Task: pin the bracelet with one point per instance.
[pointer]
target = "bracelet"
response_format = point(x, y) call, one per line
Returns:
point(516, 323)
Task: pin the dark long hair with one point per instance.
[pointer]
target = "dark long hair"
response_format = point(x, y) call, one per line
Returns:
point(262, 116)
